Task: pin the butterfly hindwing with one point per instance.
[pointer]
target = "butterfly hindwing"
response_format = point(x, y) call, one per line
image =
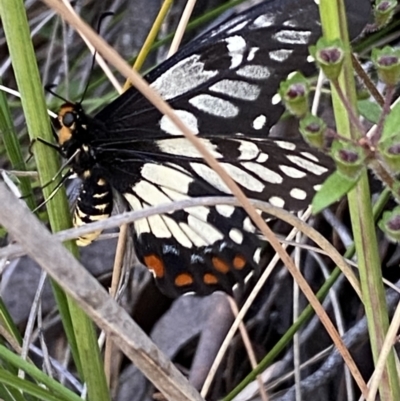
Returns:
point(203, 248)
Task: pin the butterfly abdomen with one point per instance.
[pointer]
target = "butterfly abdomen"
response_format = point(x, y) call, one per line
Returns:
point(95, 203)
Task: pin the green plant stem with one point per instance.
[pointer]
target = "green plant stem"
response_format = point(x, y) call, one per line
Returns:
point(334, 25)
point(79, 329)
point(13, 148)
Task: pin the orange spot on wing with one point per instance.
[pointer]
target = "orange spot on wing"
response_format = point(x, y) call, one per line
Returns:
point(239, 262)
point(209, 279)
point(220, 265)
point(183, 279)
point(155, 263)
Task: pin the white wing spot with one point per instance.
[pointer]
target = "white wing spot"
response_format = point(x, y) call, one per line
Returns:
point(166, 176)
point(188, 118)
point(196, 239)
point(236, 46)
point(252, 53)
point(310, 59)
point(243, 178)
point(310, 156)
point(276, 99)
point(183, 147)
point(259, 122)
point(263, 172)
point(177, 232)
point(307, 165)
point(214, 106)
point(225, 210)
point(257, 256)
point(254, 72)
point(150, 193)
point(264, 21)
point(248, 225)
point(206, 230)
point(292, 172)
point(286, 145)
point(262, 158)
point(248, 150)
point(200, 212)
point(276, 201)
point(142, 225)
point(280, 55)
point(292, 37)
point(298, 193)
point(209, 175)
point(158, 227)
point(291, 23)
point(237, 89)
point(238, 27)
point(236, 235)
point(184, 76)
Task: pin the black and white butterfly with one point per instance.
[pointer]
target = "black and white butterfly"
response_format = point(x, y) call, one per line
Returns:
point(222, 85)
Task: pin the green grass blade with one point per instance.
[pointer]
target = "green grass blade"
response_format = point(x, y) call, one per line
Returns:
point(81, 334)
point(334, 26)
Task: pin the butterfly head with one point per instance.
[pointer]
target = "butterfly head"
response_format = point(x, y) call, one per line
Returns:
point(72, 123)
point(73, 138)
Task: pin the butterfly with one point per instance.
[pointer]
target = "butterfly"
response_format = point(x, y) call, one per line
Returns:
point(222, 85)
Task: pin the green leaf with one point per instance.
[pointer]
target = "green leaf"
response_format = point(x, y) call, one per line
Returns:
point(333, 189)
point(392, 122)
point(369, 110)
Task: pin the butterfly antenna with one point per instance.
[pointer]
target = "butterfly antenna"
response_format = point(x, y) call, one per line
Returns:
point(49, 88)
point(101, 20)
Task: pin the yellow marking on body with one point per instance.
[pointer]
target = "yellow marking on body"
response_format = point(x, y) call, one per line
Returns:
point(87, 239)
point(87, 174)
point(78, 221)
point(64, 135)
point(183, 279)
point(155, 263)
point(98, 218)
point(65, 108)
point(220, 265)
point(100, 195)
point(210, 279)
point(101, 207)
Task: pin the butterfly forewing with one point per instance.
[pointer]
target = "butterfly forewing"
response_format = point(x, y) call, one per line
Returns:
point(225, 81)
